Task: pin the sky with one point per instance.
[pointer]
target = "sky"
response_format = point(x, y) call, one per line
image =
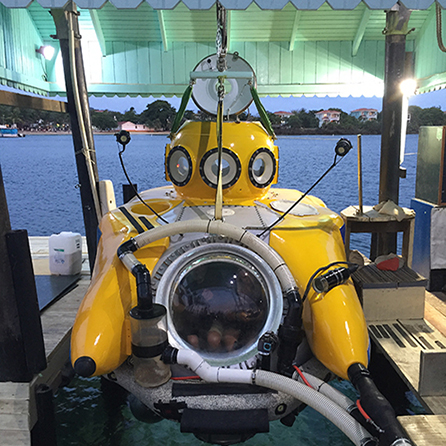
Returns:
point(432, 99)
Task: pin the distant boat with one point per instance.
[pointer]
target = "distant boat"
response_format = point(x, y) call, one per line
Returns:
point(9, 131)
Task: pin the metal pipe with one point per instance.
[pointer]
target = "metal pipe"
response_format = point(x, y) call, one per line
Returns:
point(79, 111)
point(361, 209)
point(67, 30)
point(218, 214)
point(224, 74)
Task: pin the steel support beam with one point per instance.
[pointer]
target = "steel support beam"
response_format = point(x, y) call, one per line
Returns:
point(396, 30)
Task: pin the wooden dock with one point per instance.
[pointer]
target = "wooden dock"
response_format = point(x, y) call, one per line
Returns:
point(429, 385)
point(18, 411)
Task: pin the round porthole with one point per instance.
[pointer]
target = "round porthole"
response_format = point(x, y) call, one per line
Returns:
point(262, 167)
point(231, 168)
point(179, 166)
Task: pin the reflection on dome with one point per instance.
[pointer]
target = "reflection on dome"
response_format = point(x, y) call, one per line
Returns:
point(219, 306)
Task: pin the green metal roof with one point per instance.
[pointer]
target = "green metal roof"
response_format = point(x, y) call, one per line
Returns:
point(334, 48)
point(232, 4)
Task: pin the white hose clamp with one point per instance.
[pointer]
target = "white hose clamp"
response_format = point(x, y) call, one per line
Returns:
point(401, 442)
point(253, 377)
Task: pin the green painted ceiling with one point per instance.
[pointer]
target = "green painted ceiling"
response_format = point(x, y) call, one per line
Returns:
point(146, 51)
point(251, 25)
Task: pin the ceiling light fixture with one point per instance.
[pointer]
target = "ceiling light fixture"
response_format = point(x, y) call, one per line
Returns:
point(47, 51)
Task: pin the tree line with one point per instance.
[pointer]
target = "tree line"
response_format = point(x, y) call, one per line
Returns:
point(159, 116)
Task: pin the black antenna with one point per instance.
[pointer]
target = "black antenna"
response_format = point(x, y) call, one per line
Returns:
point(343, 146)
point(123, 138)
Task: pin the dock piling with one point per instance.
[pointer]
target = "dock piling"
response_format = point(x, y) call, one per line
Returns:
point(397, 20)
point(44, 431)
point(26, 297)
point(14, 365)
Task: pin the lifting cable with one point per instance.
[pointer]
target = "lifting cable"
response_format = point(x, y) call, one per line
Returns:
point(439, 36)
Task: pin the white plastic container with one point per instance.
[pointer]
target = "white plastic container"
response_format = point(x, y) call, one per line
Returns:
point(65, 253)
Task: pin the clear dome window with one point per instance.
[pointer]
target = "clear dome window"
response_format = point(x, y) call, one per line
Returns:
point(231, 168)
point(225, 168)
point(220, 298)
point(262, 167)
point(219, 305)
point(179, 166)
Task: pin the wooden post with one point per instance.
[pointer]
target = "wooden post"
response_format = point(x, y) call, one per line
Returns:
point(67, 27)
point(12, 354)
point(397, 20)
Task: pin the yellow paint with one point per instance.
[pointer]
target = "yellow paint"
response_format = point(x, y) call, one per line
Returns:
point(334, 322)
point(200, 137)
point(101, 329)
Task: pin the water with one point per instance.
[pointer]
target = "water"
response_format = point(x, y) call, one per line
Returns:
point(41, 181)
point(41, 188)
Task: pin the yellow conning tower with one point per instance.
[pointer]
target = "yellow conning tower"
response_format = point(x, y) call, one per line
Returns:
point(249, 161)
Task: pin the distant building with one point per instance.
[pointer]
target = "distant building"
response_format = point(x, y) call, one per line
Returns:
point(328, 116)
point(130, 127)
point(365, 114)
point(283, 115)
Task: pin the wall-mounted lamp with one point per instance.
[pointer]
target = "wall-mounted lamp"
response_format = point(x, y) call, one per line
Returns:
point(46, 51)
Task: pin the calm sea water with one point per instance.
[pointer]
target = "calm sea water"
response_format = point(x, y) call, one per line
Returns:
point(41, 181)
point(41, 188)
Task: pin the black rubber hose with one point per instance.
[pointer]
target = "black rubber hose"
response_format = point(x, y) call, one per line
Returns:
point(143, 287)
point(290, 334)
point(376, 406)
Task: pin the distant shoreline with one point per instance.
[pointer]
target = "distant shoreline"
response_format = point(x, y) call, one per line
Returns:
point(111, 132)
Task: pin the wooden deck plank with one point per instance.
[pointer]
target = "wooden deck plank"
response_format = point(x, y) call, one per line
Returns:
point(14, 422)
point(15, 438)
point(9, 390)
point(14, 406)
point(425, 430)
point(58, 319)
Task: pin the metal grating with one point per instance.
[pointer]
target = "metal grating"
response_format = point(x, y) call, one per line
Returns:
point(371, 277)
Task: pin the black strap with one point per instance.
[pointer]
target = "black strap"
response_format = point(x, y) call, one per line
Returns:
point(132, 220)
point(146, 222)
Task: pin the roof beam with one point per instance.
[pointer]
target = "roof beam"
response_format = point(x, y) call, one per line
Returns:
point(297, 17)
point(34, 102)
point(361, 30)
point(163, 29)
point(98, 30)
point(426, 24)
